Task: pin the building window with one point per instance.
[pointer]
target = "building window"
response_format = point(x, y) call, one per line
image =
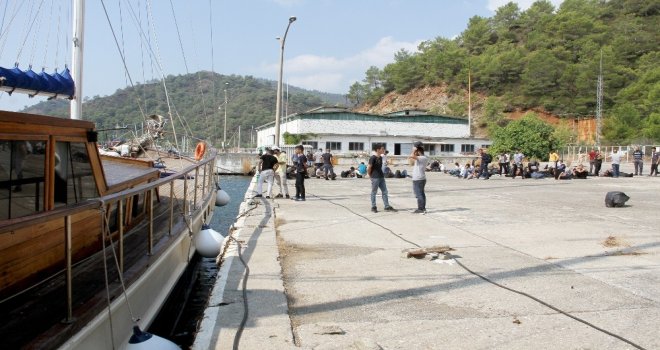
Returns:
point(314, 144)
point(356, 146)
point(447, 148)
point(333, 145)
point(485, 146)
point(467, 148)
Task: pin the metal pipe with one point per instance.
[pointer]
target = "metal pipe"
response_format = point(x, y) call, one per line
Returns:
point(150, 246)
point(68, 252)
point(120, 214)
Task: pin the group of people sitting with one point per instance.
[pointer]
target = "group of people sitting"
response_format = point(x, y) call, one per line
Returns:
point(361, 171)
point(532, 170)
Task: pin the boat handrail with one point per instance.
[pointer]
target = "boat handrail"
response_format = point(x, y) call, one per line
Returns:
point(97, 203)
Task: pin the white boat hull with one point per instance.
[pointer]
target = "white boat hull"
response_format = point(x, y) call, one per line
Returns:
point(146, 295)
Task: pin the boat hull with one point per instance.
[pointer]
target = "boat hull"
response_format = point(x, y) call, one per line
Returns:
point(145, 296)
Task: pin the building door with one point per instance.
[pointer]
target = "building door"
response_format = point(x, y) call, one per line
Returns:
point(397, 149)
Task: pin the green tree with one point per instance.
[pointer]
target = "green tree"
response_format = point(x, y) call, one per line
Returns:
point(357, 93)
point(623, 125)
point(478, 35)
point(493, 115)
point(530, 134)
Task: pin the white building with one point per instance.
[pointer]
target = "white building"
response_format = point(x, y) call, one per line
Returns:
point(347, 132)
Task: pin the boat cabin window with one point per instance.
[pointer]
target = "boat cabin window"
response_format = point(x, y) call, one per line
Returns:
point(22, 170)
point(74, 180)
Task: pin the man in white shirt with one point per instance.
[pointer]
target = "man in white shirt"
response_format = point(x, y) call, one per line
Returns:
point(419, 176)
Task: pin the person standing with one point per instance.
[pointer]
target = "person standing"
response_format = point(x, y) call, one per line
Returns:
point(310, 158)
point(327, 165)
point(518, 164)
point(300, 163)
point(592, 160)
point(266, 167)
point(280, 173)
point(318, 161)
point(638, 159)
point(419, 177)
point(598, 163)
point(485, 160)
point(384, 157)
point(616, 162)
point(655, 155)
point(503, 161)
point(375, 171)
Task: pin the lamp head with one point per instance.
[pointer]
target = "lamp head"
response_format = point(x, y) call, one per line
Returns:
point(292, 19)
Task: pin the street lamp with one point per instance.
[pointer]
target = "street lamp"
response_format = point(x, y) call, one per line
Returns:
point(224, 136)
point(279, 83)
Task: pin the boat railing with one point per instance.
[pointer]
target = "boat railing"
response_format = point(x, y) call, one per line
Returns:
point(198, 186)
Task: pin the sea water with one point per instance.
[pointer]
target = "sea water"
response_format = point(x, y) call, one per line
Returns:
point(180, 315)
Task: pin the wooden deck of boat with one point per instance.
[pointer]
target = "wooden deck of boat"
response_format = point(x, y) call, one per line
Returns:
point(44, 306)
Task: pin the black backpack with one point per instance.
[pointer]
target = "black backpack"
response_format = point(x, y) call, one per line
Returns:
point(488, 158)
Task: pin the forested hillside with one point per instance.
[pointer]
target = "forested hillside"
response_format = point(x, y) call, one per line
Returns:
point(543, 58)
point(199, 99)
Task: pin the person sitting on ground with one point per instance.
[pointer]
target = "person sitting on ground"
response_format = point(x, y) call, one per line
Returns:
point(361, 170)
point(387, 172)
point(564, 173)
point(580, 172)
point(465, 170)
point(401, 174)
point(348, 173)
point(434, 166)
point(559, 169)
point(533, 166)
point(456, 171)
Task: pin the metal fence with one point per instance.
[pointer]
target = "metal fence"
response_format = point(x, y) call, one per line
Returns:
point(579, 154)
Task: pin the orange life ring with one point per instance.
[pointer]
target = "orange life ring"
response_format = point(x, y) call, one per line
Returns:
point(200, 150)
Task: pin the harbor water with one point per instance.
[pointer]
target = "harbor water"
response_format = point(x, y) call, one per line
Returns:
point(178, 318)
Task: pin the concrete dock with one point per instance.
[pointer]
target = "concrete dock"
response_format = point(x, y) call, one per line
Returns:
point(535, 264)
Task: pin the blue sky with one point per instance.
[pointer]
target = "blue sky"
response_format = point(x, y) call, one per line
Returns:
point(329, 47)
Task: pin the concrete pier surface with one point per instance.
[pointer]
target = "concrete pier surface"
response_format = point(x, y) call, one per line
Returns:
point(535, 264)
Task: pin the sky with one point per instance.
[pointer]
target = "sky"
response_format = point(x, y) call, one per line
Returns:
point(329, 47)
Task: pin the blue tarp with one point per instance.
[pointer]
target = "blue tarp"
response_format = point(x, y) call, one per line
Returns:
point(56, 83)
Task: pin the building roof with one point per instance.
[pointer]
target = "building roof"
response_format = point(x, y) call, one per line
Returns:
point(343, 113)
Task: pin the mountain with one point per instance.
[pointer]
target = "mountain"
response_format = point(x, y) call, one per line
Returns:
point(543, 58)
point(198, 98)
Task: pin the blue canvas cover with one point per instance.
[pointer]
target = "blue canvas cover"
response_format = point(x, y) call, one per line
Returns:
point(56, 83)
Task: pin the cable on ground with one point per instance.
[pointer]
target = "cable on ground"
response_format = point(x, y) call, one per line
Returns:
point(495, 283)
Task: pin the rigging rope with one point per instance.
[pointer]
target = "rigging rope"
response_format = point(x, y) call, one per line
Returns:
point(178, 33)
point(121, 31)
point(48, 33)
point(28, 29)
point(214, 97)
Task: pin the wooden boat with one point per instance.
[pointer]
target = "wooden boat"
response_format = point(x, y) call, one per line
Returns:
point(90, 245)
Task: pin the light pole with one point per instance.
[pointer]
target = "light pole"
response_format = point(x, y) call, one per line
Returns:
point(224, 136)
point(279, 83)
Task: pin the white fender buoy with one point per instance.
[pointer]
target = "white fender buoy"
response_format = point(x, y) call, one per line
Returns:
point(221, 198)
point(146, 341)
point(208, 242)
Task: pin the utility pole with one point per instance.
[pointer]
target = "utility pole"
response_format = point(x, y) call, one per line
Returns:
point(599, 100)
point(224, 137)
point(469, 104)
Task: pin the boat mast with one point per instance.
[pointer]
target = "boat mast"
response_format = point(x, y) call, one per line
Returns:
point(77, 57)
